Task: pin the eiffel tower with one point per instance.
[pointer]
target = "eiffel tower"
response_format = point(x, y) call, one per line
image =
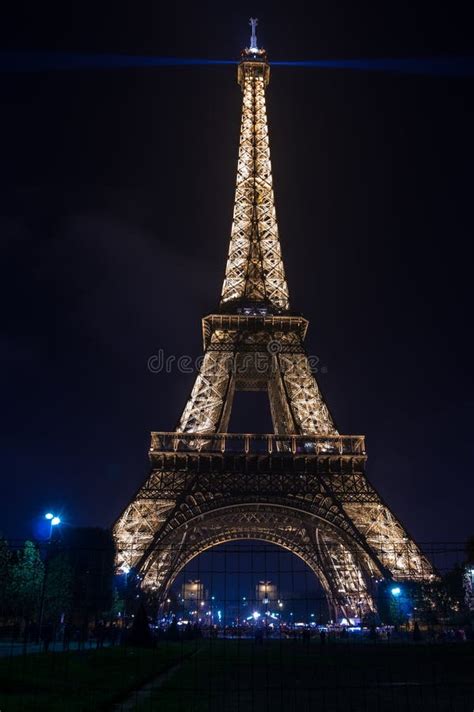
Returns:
point(303, 487)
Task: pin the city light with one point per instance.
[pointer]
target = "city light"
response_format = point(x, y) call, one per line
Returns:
point(256, 615)
point(53, 520)
point(396, 591)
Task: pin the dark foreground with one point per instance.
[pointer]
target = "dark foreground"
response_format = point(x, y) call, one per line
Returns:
point(243, 675)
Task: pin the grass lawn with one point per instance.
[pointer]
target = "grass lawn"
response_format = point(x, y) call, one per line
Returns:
point(350, 677)
point(86, 681)
point(241, 676)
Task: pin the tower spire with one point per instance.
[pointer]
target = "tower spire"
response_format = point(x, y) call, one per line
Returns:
point(253, 22)
point(254, 271)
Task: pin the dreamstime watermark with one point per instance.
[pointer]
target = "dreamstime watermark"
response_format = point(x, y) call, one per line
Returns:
point(255, 359)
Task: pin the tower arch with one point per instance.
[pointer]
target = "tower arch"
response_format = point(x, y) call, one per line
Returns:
point(346, 572)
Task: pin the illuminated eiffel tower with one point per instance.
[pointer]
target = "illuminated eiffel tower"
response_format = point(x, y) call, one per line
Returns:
point(303, 487)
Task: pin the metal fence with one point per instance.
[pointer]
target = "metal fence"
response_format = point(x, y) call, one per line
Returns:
point(245, 626)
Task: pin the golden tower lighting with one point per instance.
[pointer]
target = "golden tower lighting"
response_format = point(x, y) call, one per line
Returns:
point(302, 487)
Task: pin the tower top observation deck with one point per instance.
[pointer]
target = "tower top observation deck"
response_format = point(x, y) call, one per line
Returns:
point(253, 60)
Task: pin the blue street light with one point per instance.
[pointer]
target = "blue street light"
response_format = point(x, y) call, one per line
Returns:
point(53, 520)
point(396, 591)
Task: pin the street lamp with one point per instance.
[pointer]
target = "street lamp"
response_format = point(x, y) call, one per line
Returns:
point(396, 592)
point(53, 520)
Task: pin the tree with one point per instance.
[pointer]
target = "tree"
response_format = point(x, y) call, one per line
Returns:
point(442, 600)
point(118, 604)
point(58, 587)
point(91, 554)
point(5, 565)
point(468, 580)
point(395, 602)
point(453, 583)
point(26, 581)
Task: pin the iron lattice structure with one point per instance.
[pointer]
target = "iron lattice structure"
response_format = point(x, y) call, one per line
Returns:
point(303, 487)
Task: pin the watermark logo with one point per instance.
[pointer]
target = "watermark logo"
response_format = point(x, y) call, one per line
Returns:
point(271, 358)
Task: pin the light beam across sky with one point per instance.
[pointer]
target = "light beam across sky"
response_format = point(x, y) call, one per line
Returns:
point(28, 61)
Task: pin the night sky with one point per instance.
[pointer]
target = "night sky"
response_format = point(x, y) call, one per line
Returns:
point(116, 206)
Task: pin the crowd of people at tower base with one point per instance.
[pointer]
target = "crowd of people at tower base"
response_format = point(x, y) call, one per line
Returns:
point(140, 631)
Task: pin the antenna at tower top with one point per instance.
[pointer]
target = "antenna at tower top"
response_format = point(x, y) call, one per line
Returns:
point(253, 22)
